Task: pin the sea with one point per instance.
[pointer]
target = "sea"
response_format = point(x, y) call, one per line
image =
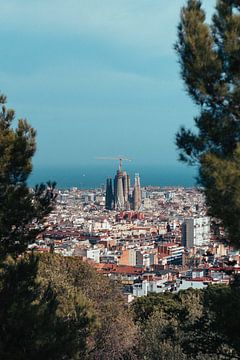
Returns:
point(94, 176)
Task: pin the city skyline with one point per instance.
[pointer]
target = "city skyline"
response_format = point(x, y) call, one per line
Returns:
point(95, 176)
point(120, 195)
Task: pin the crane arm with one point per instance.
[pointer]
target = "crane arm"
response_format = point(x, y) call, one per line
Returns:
point(119, 158)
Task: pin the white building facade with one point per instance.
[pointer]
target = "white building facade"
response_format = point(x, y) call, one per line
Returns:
point(196, 232)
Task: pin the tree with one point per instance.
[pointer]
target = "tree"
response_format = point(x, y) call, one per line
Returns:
point(160, 338)
point(41, 319)
point(210, 67)
point(192, 324)
point(52, 307)
point(165, 320)
point(36, 320)
point(21, 209)
point(115, 333)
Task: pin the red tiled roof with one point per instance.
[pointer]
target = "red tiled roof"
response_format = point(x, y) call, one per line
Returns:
point(119, 269)
point(227, 268)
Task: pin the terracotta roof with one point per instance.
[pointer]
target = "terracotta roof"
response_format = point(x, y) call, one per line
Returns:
point(119, 269)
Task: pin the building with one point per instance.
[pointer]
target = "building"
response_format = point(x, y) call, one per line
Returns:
point(160, 282)
point(118, 196)
point(118, 191)
point(196, 232)
point(137, 199)
point(128, 257)
point(171, 254)
point(126, 189)
point(109, 201)
point(91, 253)
point(146, 259)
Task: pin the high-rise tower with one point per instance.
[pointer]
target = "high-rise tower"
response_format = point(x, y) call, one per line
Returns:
point(109, 202)
point(119, 195)
point(118, 191)
point(137, 198)
point(126, 190)
point(125, 186)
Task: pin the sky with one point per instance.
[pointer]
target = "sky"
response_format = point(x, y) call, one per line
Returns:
point(96, 78)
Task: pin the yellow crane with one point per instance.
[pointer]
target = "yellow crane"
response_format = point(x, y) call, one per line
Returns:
point(119, 158)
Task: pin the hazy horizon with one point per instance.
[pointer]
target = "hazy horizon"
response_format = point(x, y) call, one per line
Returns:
point(92, 176)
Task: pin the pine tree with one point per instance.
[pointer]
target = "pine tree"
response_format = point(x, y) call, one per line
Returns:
point(37, 319)
point(21, 209)
point(209, 56)
point(52, 307)
point(41, 319)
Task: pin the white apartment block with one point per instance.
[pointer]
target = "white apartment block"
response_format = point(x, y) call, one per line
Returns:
point(196, 232)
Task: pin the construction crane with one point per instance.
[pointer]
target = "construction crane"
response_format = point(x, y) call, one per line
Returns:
point(119, 158)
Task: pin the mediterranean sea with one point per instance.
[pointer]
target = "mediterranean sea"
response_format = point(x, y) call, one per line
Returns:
point(87, 177)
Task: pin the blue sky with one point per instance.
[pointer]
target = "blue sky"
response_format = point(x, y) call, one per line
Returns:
point(95, 77)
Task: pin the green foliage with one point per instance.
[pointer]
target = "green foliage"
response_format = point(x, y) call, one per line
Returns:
point(193, 324)
point(221, 179)
point(115, 333)
point(20, 209)
point(165, 320)
point(56, 307)
point(37, 321)
point(223, 303)
point(145, 306)
point(210, 66)
point(160, 338)
point(51, 307)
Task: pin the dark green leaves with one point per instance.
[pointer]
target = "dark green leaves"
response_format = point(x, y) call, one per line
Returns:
point(209, 56)
point(19, 206)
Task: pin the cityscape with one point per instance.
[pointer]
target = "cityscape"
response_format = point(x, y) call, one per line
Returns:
point(151, 239)
point(101, 259)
